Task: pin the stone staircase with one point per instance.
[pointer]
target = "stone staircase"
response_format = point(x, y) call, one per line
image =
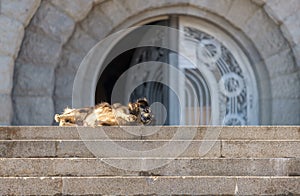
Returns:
point(150, 160)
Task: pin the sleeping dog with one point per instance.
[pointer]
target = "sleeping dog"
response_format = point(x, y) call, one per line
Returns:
point(104, 114)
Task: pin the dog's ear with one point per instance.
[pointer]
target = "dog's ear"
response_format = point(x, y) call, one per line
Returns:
point(57, 117)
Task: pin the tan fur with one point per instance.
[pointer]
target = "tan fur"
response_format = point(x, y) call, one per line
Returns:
point(104, 114)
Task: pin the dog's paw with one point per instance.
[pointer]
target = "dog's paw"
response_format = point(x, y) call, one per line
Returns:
point(131, 118)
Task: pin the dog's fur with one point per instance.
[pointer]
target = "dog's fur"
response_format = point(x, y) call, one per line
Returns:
point(104, 114)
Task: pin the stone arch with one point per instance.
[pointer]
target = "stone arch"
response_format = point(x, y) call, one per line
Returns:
point(274, 49)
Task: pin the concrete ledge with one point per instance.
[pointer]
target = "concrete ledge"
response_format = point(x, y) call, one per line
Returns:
point(148, 149)
point(150, 185)
point(18, 167)
point(152, 133)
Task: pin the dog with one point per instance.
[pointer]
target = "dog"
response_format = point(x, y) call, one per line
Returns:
point(104, 114)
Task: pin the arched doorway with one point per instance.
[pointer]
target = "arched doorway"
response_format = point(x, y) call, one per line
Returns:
point(222, 76)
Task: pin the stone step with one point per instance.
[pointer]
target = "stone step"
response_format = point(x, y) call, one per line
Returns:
point(18, 167)
point(151, 148)
point(149, 185)
point(152, 133)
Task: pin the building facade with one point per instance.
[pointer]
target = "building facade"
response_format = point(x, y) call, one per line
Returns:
point(252, 75)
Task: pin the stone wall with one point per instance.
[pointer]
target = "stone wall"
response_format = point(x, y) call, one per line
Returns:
point(43, 42)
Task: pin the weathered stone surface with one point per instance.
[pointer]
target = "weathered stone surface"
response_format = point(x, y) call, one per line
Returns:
point(148, 185)
point(286, 87)
point(177, 185)
point(141, 185)
point(279, 10)
point(150, 133)
point(268, 185)
point(20, 10)
point(58, 167)
point(12, 33)
point(181, 166)
point(53, 22)
point(96, 27)
point(38, 133)
point(77, 9)
point(64, 83)
point(6, 108)
point(290, 27)
point(73, 149)
point(260, 149)
point(265, 34)
point(296, 52)
point(27, 149)
point(234, 15)
point(79, 149)
point(33, 110)
point(6, 74)
point(219, 7)
point(34, 80)
point(286, 111)
point(39, 49)
point(82, 41)
point(98, 1)
point(114, 11)
point(30, 186)
point(281, 63)
point(259, 2)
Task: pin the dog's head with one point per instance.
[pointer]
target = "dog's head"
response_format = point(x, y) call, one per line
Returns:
point(142, 110)
point(67, 118)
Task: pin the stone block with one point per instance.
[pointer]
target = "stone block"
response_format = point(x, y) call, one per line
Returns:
point(12, 33)
point(39, 49)
point(168, 167)
point(159, 185)
point(226, 167)
point(11, 167)
point(38, 133)
point(149, 185)
point(268, 186)
point(115, 11)
point(82, 41)
point(290, 28)
point(97, 28)
point(53, 22)
point(64, 83)
point(6, 74)
point(265, 34)
point(20, 10)
point(30, 186)
point(286, 87)
point(146, 149)
point(73, 149)
point(77, 9)
point(6, 108)
point(260, 149)
point(281, 63)
point(165, 133)
point(33, 80)
point(286, 112)
point(241, 11)
point(279, 10)
point(27, 149)
point(33, 110)
point(259, 133)
point(219, 7)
